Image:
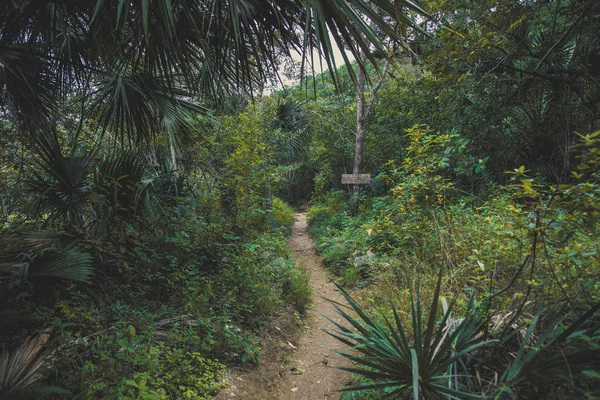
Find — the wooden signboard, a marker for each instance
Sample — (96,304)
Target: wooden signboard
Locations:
(356,179)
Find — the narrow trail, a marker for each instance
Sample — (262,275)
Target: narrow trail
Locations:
(305,373)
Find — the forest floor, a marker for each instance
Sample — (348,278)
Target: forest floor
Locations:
(298,365)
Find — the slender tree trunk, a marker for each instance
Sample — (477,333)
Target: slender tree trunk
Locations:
(361,128)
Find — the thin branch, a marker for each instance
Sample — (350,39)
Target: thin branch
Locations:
(551,268)
(519,39)
(377,87)
(493,69)
(350,130)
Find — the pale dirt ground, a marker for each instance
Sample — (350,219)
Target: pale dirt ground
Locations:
(303,372)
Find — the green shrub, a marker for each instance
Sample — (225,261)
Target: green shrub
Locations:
(124,363)
(329,212)
(283,215)
(178,374)
(188,375)
(298,290)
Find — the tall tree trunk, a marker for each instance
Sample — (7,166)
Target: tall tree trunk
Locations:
(361,128)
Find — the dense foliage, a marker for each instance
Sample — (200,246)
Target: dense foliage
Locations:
(483,152)
(145,182)
(143,242)
(164,265)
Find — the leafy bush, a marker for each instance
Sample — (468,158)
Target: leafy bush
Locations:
(330,211)
(188,375)
(283,215)
(148,371)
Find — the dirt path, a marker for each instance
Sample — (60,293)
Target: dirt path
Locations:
(304,373)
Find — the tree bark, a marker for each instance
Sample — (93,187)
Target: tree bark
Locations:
(361,128)
(362,112)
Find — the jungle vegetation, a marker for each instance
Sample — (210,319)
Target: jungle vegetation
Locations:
(149,170)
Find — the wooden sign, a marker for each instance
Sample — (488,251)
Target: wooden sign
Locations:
(356,179)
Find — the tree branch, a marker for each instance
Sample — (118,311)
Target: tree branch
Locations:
(376,88)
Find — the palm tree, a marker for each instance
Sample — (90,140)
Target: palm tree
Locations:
(137,68)
(124,73)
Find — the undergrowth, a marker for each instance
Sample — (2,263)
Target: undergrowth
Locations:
(175,310)
(529,252)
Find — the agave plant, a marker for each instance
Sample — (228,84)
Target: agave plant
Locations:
(425,360)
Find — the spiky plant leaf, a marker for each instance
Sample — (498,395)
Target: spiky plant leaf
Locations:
(384,353)
(542,362)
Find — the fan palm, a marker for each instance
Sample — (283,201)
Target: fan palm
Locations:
(136,63)
(41,253)
(118,182)
(290,136)
(129,188)
(61,184)
(20,367)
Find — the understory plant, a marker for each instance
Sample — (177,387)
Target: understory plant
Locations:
(437,356)
(426,360)
(21,368)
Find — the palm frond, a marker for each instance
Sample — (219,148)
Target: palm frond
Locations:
(69,263)
(132,189)
(60,183)
(290,114)
(28,85)
(42,253)
(118,181)
(144,58)
(20,367)
(137,106)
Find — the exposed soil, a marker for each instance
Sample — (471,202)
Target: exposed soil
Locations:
(298,366)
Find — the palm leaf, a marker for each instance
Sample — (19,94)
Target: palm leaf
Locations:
(60,183)
(20,367)
(133,52)
(69,263)
(40,253)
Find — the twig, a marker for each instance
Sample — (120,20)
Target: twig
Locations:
(377,87)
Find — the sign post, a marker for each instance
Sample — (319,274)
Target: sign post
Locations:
(356,179)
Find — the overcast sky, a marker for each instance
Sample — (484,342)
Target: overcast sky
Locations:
(319,64)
